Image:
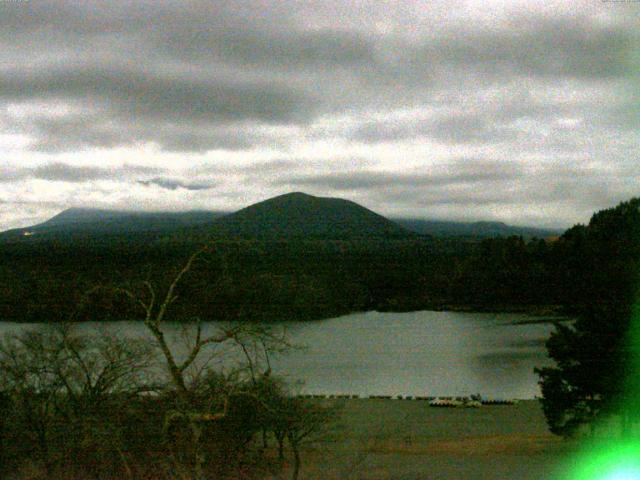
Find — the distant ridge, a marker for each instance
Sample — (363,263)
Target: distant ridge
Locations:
(89,221)
(90,216)
(292,215)
(299,215)
(443,228)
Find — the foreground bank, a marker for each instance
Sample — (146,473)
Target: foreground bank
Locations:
(390,439)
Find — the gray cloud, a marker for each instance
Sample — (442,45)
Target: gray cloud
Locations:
(77,132)
(464,171)
(521,89)
(63,172)
(540,46)
(174,184)
(68,173)
(273,49)
(9,175)
(530,191)
(188,68)
(478,189)
(136,93)
(278,166)
(451,128)
(84,131)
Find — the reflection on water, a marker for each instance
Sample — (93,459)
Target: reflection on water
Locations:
(420,353)
(415,353)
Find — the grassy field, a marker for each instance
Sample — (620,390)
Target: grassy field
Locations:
(401,439)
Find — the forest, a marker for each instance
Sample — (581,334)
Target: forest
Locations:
(282,280)
(291,280)
(291,257)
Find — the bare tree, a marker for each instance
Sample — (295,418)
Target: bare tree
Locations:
(58,376)
(303,421)
(250,339)
(4,413)
(32,386)
(98,367)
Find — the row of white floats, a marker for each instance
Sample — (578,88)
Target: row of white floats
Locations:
(469,402)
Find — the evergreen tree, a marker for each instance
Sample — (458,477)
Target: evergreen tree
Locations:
(595,361)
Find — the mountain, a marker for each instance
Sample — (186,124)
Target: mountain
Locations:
(293,215)
(444,228)
(87,221)
(298,215)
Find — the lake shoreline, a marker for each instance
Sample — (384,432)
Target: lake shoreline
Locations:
(542,310)
(545,313)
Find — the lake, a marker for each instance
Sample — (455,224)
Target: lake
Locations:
(417,353)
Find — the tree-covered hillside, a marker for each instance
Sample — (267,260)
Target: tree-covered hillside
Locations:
(301,216)
(297,272)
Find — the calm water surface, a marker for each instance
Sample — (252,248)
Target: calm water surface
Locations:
(416,353)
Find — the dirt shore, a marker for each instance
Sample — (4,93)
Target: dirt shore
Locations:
(402,439)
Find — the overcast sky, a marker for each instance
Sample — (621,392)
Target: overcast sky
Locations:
(521,111)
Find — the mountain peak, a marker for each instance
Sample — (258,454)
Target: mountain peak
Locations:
(295,195)
(298,214)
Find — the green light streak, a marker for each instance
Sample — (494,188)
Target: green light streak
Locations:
(619,461)
(615,458)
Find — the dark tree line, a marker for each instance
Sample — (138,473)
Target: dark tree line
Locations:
(284,280)
(597,356)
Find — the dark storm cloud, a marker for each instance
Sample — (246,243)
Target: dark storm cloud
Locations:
(239,32)
(277,50)
(206,65)
(540,47)
(174,184)
(139,94)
